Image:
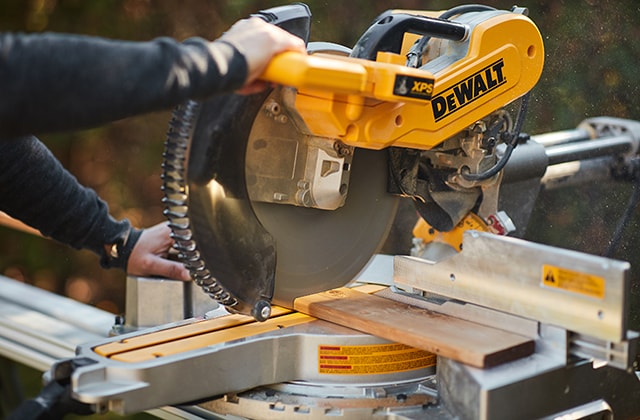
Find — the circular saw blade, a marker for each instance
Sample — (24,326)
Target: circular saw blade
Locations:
(258,251)
(317,250)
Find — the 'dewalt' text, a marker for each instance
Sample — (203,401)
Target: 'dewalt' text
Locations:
(469,90)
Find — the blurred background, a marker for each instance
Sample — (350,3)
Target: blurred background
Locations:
(591,69)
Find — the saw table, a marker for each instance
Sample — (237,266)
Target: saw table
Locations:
(456,350)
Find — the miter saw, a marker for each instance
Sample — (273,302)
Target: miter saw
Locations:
(288,193)
(279,196)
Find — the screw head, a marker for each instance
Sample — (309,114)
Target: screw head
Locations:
(261,310)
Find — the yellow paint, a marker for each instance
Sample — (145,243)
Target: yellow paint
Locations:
(471,221)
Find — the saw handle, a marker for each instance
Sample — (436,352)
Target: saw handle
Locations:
(316,72)
(327,74)
(294,18)
(387,32)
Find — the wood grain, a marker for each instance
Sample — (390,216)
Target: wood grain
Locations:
(464,341)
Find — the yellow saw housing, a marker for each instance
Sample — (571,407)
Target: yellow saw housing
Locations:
(376,104)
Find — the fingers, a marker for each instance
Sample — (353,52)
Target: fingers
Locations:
(147,256)
(259,41)
(160,234)
(162,267)
(154,265)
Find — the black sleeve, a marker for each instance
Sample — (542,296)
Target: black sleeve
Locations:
(53,82)
(36,189)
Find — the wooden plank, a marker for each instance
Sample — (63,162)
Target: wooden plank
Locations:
(180,332)
(464,341)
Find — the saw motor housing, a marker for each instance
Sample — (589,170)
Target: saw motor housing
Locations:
(450,105)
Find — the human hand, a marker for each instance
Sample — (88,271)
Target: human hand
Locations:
(258,41)
(149,255)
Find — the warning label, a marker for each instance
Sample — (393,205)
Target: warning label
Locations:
(372,359)
(573,281)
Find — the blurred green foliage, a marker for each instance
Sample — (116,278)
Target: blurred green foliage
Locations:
(591,68)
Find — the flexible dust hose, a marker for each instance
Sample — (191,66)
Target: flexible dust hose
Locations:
(175,200)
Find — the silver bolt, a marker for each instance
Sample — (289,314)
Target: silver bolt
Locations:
(273,107)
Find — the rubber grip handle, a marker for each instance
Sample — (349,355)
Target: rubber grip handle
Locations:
(387,33)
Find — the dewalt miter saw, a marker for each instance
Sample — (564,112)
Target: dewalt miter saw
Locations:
(290,192)
(278,199)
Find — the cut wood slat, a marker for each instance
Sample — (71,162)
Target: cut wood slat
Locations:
(464,341)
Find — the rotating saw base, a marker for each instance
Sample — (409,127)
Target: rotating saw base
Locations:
(410,400)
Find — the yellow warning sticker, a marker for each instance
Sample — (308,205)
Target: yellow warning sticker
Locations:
(573,281)
(372,359)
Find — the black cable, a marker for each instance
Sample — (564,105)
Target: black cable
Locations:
(634,200)
(512,142)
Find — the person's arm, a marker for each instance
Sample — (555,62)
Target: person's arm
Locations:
(52,82)
(36,189)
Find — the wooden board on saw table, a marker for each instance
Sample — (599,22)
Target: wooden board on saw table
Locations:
(464,341)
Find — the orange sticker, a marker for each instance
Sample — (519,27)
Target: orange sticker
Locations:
(573,281)
(372,359)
